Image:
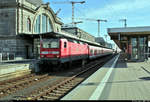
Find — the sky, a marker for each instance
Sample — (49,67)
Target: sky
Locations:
(137,13)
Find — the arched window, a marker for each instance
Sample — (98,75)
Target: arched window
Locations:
(49,25)
(28,25)
(37,25)
(46,25)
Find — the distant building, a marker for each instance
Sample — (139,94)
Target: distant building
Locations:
(100,40)
(79,33)
(19,17)
(109,45)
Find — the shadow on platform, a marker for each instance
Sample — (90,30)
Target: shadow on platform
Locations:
(145,69)
(141,79)
(145,78)
(121,64)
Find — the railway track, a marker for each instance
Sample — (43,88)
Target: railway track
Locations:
(12,86)
(4,82)
(61,88)
(53,90)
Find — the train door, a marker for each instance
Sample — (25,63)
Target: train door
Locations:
(64,48)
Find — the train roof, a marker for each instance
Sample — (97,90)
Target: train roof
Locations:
(62,35)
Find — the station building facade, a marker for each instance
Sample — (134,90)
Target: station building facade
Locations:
(19,17)
(133,41)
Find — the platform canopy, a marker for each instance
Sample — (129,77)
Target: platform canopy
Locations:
(60,35)
(116,33)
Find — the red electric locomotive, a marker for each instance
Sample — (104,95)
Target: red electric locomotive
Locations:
(58,51)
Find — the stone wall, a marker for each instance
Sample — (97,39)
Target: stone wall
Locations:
(24,49)
(6,2)
(19,47)
(7,48)
(7,17)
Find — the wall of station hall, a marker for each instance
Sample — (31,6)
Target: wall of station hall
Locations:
(19,17)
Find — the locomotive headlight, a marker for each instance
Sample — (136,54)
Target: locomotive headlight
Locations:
(42,56)
(45,52)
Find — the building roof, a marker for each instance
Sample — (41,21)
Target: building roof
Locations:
(99,39)
(130,30)
(35,2)
(68,27)
(117,33)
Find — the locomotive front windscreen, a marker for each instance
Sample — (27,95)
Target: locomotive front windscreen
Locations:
(50,43)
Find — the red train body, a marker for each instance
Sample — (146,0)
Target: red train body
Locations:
(57,51)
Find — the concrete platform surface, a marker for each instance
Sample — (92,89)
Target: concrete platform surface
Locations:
(15,68)
(9,68)
(125,81)
(16,65)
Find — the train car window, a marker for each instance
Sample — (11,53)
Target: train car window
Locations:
(78,42)
(81,42)
(94,51)
(70,40)
(75,41)
(91,51)
(65,44)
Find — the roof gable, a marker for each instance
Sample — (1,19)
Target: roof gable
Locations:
(35,2)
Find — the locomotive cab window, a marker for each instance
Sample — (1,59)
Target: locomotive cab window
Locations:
(65,44)
(50,43)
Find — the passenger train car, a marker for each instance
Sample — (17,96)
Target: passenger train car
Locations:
(58,51)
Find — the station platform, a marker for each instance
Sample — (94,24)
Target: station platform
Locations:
(116,80)
(15,68)
(17,61)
